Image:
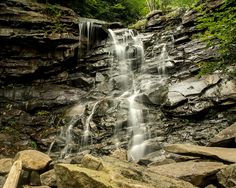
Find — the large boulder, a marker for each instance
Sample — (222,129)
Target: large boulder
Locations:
(196,173)
(223,154)
(115,174)
(33,160)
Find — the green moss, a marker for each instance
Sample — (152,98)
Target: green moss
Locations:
(139,25)
(42,113)
(11,131)
(55,13)
(208,67)
(218,31)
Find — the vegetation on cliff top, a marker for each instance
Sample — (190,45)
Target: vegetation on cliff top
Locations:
(126,11)
(219,28)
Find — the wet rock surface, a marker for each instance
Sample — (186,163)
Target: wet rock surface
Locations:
(41,54)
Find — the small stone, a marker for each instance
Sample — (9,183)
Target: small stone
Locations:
(154,13)
(120,154)
(210,186)
(224,137)
(99,77)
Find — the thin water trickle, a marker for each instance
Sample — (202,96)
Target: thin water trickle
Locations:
(87,132)
(161,58)
(87,33)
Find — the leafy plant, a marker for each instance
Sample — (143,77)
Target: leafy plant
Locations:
(34,145)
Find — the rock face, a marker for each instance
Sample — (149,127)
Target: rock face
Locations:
(225,154)
(114,174)
(33,160)
(196,173)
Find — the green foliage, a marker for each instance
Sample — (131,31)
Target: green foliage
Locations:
(166,5)
(219,31)
(209,67)
(183,3)
(126,11)
(153,4)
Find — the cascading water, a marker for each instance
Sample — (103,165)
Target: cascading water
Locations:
(88,32)
(129,54)
(127,62)
(137,145)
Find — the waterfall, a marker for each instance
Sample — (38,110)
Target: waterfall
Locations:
(129,54)
(128,67)
(88,31)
